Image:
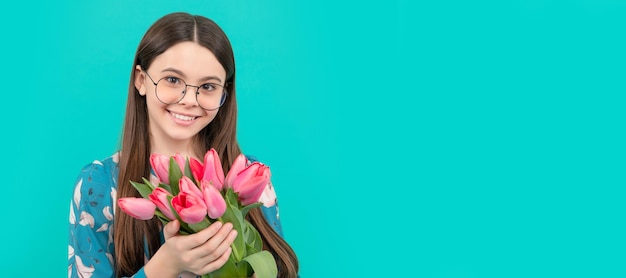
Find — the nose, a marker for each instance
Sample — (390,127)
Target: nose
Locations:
(189,98)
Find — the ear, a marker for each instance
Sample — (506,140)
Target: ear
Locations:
(139,80)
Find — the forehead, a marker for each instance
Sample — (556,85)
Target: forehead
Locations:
(193,60)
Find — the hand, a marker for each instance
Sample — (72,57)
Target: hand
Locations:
(199,253)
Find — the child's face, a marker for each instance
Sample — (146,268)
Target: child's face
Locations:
(179,122)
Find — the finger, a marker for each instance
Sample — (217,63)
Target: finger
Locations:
(171,229)
(215,240)
(216,264)
(194,240)
(215,253)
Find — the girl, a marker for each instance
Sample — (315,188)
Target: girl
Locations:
(181,99)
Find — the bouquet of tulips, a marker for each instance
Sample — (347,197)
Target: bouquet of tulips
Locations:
(198,194)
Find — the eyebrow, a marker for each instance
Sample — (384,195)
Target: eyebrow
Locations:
(206,78)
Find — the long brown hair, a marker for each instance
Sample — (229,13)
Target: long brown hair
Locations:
(131,234)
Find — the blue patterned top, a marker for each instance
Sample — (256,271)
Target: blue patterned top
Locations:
(92,210)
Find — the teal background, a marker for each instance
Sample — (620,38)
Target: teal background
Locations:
(406,138)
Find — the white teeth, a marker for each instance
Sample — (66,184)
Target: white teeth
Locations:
(182,117)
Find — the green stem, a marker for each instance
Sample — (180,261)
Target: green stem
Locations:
(235,252)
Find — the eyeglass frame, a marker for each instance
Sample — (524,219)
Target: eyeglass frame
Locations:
(224,91)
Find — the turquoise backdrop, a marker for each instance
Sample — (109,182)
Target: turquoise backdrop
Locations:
(406,138)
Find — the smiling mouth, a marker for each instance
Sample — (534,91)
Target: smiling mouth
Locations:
(183,117)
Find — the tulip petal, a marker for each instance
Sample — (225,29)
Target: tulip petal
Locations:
(188,186)
(246,174)
(160,165)
(215,203)
(139,208)
(180,160)
(251,182)
(238,165)
(213,169)
(190,209)
(197,169)
(159,198)
(251,192)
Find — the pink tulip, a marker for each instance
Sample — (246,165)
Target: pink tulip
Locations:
(251,182)
(197,169)
(213,171)
(238,165)
(195,165)
(180,160)
(139,208)
(215,203)
(159,198)
(190,208)
(161,165)
(186,185)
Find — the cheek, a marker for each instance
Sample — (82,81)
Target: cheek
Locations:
(209,117)
(153,103)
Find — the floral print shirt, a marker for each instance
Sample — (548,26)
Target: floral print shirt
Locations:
(92,210)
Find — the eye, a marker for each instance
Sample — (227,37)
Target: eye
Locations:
(208,87)
(172,80)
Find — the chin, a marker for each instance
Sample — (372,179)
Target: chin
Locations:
(182,135)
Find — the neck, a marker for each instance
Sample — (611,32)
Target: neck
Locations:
(186,148)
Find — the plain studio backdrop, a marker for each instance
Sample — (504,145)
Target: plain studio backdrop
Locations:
(406,138)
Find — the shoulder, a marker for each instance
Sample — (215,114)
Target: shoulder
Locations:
(107,163)
(94,193)
(101,171)
(252,158)
(97,179)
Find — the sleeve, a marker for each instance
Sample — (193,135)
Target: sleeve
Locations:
(90,248)
(270,208)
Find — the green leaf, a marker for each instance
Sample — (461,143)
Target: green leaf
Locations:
(231,197)
(148,183)
(246,209)
(233,215)
(162,185)
(175,175)
(229,269)
(188,172)
(143,189)
(263,264)
(160,215)
(196,227)
(253,238)
(166,187)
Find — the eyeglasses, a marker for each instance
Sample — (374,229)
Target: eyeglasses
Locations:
(170,90)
